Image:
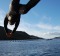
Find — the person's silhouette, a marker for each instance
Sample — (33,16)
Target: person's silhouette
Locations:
(13,16)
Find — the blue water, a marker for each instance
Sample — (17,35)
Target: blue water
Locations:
(30,48)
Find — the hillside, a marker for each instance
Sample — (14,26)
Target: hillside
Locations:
(18,35)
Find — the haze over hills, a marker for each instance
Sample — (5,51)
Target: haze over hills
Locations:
(18,35)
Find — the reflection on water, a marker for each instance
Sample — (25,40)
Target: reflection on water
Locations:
(30,48)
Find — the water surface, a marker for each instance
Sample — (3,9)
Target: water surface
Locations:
(30,48)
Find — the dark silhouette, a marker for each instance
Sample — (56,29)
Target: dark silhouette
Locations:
(13,16)
(18,35)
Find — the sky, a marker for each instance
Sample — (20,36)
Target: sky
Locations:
(43,20)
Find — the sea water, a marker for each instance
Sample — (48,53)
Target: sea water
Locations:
(30,48)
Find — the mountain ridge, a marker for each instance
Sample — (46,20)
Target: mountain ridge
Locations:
(18,35)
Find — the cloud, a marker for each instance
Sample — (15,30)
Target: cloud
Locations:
(54,33)
(37,29)
(33,30)
(48,26)
(50,35)
(2,15)
(44,26)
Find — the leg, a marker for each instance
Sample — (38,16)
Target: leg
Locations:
(5,24)
(16,24)
(25,8)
